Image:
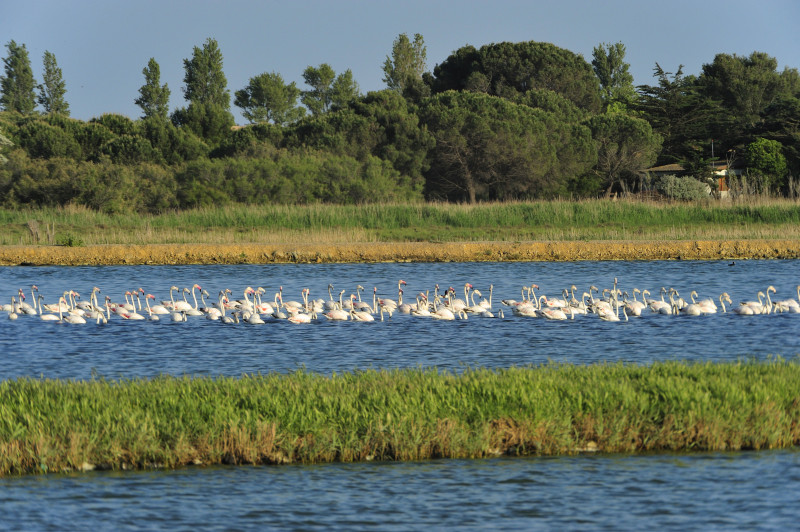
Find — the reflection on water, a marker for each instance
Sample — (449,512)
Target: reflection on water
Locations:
(752,490)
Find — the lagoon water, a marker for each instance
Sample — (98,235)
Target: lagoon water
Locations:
(702,491)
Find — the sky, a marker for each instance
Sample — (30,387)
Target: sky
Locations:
(102,46)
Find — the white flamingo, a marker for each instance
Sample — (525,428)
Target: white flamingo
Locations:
(789,305)
(69,318)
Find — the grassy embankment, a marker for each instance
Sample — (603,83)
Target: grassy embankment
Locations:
(55,426)
(601,220)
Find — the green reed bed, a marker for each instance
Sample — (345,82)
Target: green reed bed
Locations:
(411,414)
(542,220)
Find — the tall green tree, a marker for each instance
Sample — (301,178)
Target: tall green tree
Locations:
(765,159)
(208,115)
(616,82)
(488,148)
(153,96)
(404,69)
(327,90)
(53,88)
(509,69)
(320,79)
(266,98)
(625,146)
(747,85)
(17,84)
(781,122)
(204,78)
(344,90)
(684,117)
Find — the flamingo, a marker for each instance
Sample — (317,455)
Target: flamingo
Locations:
(24,308)
(253,318)
(475,307)
(390,303)
(178,305)
(423,310)
(610,315)
(443,313)
(337,313)
(459,304)
(43,316)
(193,310)
(12,310)
(749,308)
(294,306)
(789,305)
(301,317)
(635,307)
(694,308)
(724,297)
(360,315)
(661,306)
(554,313)
(69,318)
(331,303)
(514,302)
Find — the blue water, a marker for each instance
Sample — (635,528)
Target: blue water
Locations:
(748,490)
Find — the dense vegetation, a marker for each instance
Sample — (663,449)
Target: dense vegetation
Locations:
(563,220)
(53,426)
(506,121)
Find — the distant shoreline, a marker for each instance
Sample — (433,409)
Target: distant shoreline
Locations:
(178,254)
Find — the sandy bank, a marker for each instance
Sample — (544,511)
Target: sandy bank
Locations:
(397,252)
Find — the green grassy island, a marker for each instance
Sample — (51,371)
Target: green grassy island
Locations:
(59,426)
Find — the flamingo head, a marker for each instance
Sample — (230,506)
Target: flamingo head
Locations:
(150,296)
(536,286)
(402,282)
(196,286)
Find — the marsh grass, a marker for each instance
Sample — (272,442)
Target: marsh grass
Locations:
(754,218)
(410,414)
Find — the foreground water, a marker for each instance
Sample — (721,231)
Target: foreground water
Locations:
(738,491)
(701,491)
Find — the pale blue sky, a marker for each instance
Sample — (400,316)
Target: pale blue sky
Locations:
(103,45)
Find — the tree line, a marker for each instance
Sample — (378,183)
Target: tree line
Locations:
(506,121)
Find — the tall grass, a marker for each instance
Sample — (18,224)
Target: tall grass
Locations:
(544,220)
(53,426)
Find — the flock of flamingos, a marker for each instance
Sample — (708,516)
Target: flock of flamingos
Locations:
(610,304)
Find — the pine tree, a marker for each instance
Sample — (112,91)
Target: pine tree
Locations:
(153,97)
(407,63)
(17,84)
(53,88)
(205,81)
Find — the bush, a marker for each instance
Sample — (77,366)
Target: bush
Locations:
(681,188)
